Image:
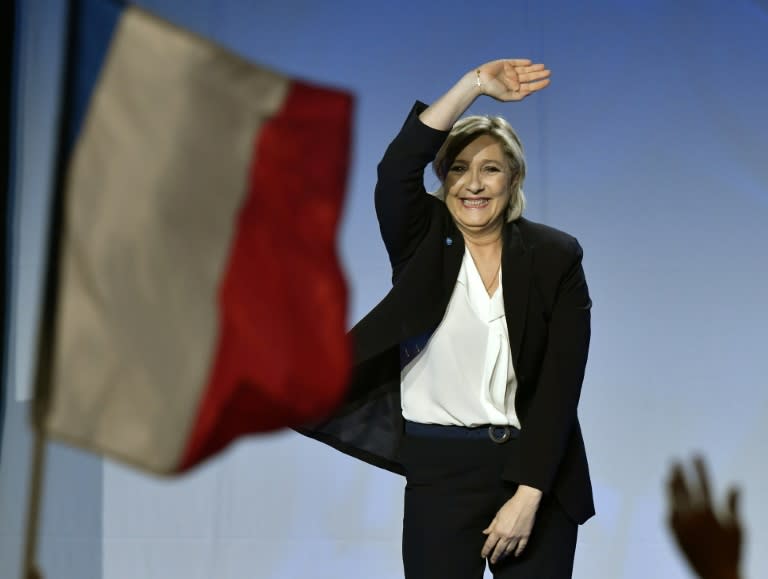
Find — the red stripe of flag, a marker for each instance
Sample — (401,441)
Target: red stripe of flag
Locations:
(283,356)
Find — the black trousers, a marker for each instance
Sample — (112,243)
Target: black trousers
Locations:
(453,491)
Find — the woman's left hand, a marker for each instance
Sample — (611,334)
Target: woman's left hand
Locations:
(509,531)
(512,79)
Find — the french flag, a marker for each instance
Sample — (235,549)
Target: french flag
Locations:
(195,293)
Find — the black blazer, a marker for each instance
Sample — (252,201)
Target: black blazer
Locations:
(547,308)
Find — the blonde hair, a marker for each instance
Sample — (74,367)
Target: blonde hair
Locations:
(467,130)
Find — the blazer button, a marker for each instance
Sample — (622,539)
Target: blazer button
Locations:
(448,241)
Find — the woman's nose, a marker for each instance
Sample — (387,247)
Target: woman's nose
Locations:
(474,184)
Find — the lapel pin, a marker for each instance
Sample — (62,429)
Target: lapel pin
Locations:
(448,241)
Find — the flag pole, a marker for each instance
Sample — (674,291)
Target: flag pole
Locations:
(12,29)
(29,568)
(47,324)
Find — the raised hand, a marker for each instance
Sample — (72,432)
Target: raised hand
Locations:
(711,541)
(512,79)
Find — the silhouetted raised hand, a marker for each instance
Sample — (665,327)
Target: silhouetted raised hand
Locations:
(710,538)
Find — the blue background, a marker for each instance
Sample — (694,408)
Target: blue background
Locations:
(649,146)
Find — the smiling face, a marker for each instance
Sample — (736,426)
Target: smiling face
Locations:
(478,186)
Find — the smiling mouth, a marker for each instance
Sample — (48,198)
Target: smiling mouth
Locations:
(474,203)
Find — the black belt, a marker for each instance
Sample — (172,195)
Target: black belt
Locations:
(498,433)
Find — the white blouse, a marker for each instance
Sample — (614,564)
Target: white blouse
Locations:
(464,375)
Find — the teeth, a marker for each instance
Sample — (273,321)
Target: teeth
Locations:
(475,202)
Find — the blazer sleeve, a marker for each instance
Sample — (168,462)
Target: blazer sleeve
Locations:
(402,203)
(551,419)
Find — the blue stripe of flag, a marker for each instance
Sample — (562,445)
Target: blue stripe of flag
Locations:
(93,24)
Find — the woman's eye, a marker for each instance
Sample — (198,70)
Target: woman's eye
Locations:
(492,169)
(456,168)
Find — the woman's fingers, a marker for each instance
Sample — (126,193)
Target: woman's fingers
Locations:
(503,548)
(530,87)
(524,81)
(489,545)
(520,547)
(529,68)
(525,73)
(519,71)
(534,75)
(497,547)
(524,90)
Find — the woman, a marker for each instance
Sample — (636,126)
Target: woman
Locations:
(468,372)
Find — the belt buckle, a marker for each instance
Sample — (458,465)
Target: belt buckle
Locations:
(506,433)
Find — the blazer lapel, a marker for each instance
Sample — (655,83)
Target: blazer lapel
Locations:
(426,288)
(516,275)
